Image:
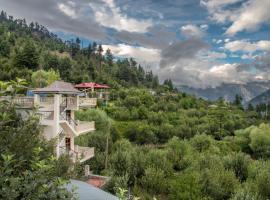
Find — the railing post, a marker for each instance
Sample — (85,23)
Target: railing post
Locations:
(36,100)
(87,170)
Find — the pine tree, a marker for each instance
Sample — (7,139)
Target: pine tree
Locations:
(109,57)
(27,56)
(100,50)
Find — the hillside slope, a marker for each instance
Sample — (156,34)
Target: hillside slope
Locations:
(26,48)
(260,99)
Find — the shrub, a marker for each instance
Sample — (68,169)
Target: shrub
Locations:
(218,183)
(185,187)
(201,142)
(238,163)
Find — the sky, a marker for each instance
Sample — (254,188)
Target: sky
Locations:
(199,43)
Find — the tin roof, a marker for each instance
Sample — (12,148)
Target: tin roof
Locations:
(58,87)
(92,85)
(85,191)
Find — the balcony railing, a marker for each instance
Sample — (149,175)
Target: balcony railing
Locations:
(23,102)
(87,102)
(80,154)
(47,102)
(46,115)
(69,102)
(83,127)
(84,153)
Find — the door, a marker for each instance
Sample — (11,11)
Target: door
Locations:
(68,116)
(68,144)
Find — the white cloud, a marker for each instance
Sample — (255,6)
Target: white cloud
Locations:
(142,55)
(111,16)
(215,4)
(251,16)
(204,26)
(216,41)
(247,46)
(68,9)
(217,10)
(212,55)
(193,30)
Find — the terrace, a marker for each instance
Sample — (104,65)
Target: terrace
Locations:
(46,103)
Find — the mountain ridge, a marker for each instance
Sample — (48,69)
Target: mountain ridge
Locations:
(228,91)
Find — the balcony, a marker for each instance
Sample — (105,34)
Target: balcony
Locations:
(22,102)
(84,153)
(46,117)
(83,127)
(70,103)
(85,102)
(79,153)
(76,128)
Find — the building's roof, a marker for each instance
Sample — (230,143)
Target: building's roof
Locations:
(97,181)
(92,85)
(85,191)
(58,87)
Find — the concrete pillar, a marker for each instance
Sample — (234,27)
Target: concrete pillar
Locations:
(36,100)
(77,102)
(86,170)
(56,125)
(72,143)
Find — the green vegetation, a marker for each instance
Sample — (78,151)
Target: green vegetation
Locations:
(158,142)
(28,169)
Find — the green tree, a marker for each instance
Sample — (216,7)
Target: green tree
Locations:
(185,187)
(28,169)
(27,56)
(43,78)
(109,57)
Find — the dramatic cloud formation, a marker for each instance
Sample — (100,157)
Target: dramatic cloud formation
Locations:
(66,16)
(189,62)
(250,16)
(196,42)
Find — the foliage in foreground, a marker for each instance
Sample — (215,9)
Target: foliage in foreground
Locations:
(27,167)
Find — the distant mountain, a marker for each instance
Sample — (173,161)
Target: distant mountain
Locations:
(228,91)
(262,98)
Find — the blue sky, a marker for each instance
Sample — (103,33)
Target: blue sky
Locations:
(199,43)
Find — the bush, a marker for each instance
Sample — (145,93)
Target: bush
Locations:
(140,133)
(218,183)
(238,163)
(201,142)
(154,180)
(185,187)
(101,119)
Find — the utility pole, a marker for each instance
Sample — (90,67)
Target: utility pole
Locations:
(107,151)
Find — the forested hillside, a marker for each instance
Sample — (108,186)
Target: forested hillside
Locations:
(26,48)
(152,139)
